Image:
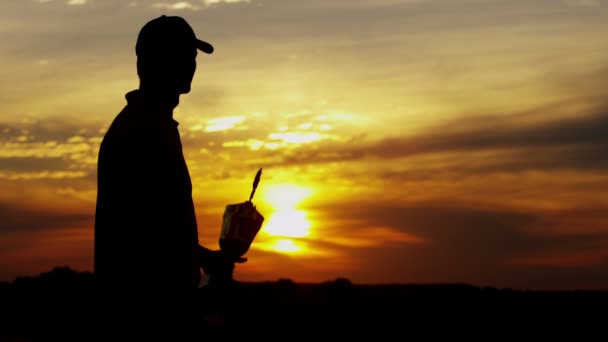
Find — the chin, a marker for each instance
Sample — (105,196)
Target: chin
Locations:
(185,89)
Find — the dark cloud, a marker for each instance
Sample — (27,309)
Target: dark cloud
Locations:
(52,145)
(460,165)
(472,243)
(458,229)
(32,164)
(566,143)
(16,218)
(485,231)
(498,132)
(418,264)
(48,129)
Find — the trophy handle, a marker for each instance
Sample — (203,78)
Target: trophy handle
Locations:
(255,184)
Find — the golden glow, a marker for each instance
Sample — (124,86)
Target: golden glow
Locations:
(286,196)
(398,153)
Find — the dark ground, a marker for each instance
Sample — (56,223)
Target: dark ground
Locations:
(60,306)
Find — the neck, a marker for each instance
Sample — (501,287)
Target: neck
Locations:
(165,101)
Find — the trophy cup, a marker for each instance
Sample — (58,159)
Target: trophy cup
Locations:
(241,223)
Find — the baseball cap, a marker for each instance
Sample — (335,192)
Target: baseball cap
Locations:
(162,34)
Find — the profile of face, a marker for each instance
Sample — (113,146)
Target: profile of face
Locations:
(169,73)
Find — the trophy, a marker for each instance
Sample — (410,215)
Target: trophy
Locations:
(241,223)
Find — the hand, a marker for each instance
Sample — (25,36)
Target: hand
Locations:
(218,263)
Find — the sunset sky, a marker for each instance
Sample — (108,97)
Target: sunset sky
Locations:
(410,141)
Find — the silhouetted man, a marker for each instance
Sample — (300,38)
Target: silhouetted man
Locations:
(146,235)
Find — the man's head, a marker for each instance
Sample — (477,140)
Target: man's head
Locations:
(166,54)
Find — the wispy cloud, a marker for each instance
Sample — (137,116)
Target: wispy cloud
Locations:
(25,176)
(561,143)
(176,6)
(185,5)
(47,150)
(213,2)
(222,124)
(583,3)
(77,2)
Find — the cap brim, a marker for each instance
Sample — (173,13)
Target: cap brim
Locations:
(204,46)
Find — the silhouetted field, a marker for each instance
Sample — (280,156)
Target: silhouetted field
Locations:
(61,306)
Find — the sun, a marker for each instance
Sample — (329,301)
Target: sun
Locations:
(287,220)
(288,223)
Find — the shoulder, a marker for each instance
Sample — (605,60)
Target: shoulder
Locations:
(129,127)
(117,130)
